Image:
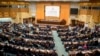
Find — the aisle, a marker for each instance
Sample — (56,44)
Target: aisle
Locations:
(58,44)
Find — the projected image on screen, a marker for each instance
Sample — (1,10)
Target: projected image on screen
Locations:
(52,11)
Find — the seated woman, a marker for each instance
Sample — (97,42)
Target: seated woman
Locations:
(85,46)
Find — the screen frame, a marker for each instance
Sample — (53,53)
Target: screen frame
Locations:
(74,12)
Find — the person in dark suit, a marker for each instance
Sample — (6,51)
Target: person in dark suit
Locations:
(96,53)
(79,54)
(96,43)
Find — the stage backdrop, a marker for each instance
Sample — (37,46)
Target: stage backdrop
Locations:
(63,8)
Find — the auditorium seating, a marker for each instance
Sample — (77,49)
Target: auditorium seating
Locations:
(78,40)
(38,40)
(28,41)
(95,52)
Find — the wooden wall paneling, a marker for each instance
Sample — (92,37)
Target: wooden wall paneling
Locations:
(99,17)
(83,11)
(5,9)
(95,14)
(14,10)
(11,2)
(23,10)
(0,12)
(6,14)
(13,14)
(40,11)
(65,12)
(1,15)
(4,3)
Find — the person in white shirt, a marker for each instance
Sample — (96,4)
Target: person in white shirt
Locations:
(86,25)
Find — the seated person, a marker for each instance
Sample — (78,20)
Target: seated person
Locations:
(79,54)
(96,53)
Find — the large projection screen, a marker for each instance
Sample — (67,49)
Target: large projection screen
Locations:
(52,11)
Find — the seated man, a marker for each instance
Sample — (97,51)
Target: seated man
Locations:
(96,53)
(79,54)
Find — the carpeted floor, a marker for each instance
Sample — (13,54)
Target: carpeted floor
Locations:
(59,47)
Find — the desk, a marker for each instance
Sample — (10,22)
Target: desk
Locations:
(51,22)
(48,21)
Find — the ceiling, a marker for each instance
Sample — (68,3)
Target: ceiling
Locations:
(55,0)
